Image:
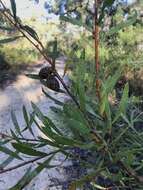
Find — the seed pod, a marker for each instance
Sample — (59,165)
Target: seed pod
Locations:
(45,72)
(53,83)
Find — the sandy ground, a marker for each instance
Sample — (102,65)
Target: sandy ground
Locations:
(12,98)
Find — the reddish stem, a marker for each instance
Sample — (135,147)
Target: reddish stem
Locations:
(96,37)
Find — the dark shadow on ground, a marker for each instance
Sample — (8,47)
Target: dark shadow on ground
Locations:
(9,74)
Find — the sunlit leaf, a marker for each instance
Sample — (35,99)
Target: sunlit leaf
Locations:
(122,25)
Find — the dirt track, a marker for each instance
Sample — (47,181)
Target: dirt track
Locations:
(12,98)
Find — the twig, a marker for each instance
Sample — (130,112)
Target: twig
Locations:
(96,37)
(26,162)
(3,135)
(19,165)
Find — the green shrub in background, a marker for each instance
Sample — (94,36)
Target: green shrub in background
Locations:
(104,134)
(19,52)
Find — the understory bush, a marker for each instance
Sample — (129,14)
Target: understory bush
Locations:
(100,133)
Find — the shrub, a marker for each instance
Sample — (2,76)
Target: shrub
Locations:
(103,133)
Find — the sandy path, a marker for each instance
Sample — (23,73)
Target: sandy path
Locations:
(12,98)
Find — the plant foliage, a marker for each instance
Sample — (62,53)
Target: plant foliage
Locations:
(104,135)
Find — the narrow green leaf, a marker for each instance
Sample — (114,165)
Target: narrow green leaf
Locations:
(6,28)
(25,114)
(47,130)
(37,111)
(71,20)
(9,152)
(2,142)
(26,149)
(32,115)
(123,103)
(15,137)
(110,83)
(117,139)
(81,94)
(90,110)
(30,175)
(6,162)
(30,31)
(123,25)
(58,139)
(108,113)
(48,142)
(20,184)
(55,53)
(53,99)
(46,121)
(75,21)
(33,76)
(7,40)
(29,120)
(72,112)
(62,140)
(15,122)
(78,126)
(13,7)
(66,67)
